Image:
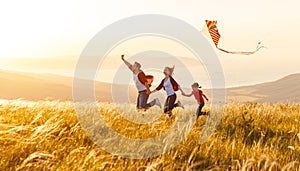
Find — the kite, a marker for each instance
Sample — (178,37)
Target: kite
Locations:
(215,35)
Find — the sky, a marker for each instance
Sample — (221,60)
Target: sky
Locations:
(57,28)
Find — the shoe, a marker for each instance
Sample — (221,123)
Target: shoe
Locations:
(157,103)
(180,104)
(141,110)
(208,113)
(169,114)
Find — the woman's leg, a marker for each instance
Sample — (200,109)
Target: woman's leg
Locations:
(178,104)
(170,103)
(166,106)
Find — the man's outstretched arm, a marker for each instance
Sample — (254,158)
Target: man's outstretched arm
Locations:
(126,62)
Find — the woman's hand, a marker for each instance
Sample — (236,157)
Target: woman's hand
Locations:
(181,91)
(153,91)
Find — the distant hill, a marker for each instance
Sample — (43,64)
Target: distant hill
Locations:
(31,86)
(283,90)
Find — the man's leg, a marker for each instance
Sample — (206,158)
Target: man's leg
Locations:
(152,103)
(138,101)
(143,100)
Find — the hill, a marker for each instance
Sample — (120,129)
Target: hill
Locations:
(283,90)
(31,86)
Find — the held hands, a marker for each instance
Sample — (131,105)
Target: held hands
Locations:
(153,91)
(181,91)
(148,92)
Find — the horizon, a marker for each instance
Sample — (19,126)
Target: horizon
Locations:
(65,66)
(71,76)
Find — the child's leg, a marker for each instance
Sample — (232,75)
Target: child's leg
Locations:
(199,110)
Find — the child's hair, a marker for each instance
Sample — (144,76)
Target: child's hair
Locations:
(196,85)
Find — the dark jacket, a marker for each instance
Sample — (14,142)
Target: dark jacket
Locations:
(173,82)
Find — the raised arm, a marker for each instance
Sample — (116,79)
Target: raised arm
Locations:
(126,62)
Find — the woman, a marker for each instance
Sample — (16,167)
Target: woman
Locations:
(170,86)
(198,94)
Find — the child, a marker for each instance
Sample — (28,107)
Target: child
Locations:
(198,94)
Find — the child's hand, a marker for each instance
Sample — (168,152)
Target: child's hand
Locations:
(182,92)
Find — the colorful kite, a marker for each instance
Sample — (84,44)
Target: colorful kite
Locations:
(215,35)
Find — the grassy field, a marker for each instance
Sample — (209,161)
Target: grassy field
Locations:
(46,135)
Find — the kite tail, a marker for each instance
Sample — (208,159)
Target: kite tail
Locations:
(258,47)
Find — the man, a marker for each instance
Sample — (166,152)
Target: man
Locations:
(142,86)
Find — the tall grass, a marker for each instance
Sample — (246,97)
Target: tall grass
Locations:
(46,135)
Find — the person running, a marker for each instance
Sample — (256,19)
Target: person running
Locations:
(198,94)
(142,86)
(170,86)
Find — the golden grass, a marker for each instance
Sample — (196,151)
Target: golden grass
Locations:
(46,135)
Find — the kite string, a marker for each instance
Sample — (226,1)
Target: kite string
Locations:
(258,47)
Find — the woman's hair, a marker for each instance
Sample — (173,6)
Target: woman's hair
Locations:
(171,70)
(196,85)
